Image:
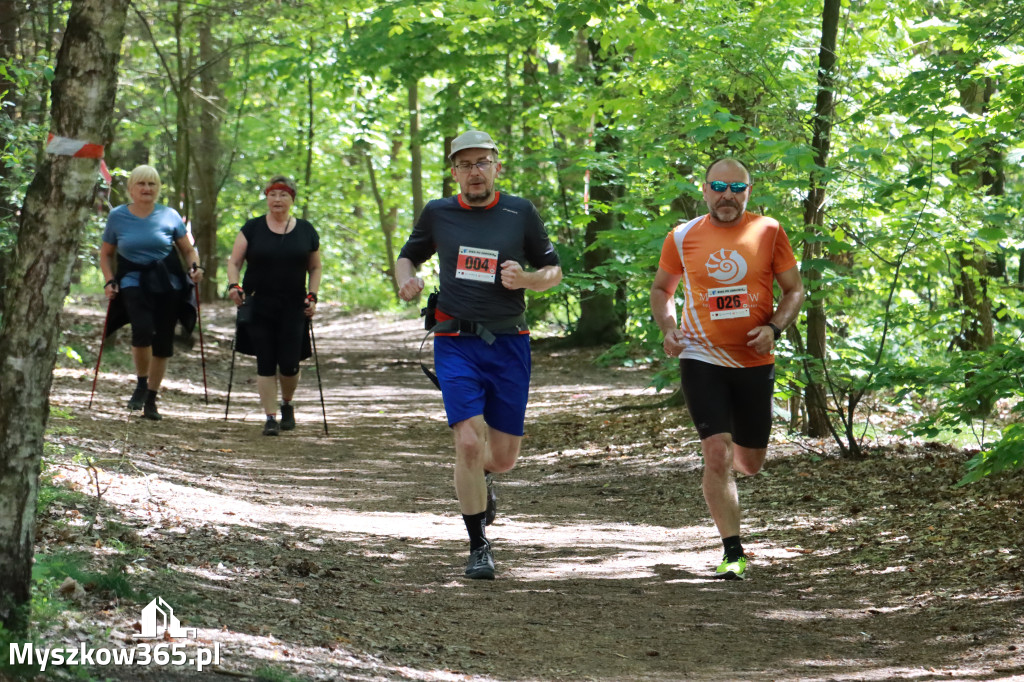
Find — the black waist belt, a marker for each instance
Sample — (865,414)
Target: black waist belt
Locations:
(485,330)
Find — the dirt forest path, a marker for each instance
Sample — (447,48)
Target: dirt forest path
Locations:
(340,557)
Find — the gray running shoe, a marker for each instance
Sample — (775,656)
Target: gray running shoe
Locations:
(481,564)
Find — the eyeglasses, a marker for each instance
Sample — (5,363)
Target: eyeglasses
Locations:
(466,167)
(736,187)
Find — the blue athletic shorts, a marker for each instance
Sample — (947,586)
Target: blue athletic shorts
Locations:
(734,400)
(490,380)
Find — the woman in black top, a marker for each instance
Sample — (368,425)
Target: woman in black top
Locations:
(280,251)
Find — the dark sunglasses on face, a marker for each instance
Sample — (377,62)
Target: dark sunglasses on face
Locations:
(736,187)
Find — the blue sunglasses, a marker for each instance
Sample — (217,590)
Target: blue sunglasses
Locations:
(736,187)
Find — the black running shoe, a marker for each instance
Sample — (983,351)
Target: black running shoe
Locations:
(138,398)
(271,428)
(481,564)
(492,500)
(287,417)
(149,410)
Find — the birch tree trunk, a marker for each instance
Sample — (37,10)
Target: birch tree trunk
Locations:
(56,208)
(9,18)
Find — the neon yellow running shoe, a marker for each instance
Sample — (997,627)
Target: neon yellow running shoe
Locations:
(731,570)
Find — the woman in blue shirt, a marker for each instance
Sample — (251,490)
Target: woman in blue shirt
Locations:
(145,276)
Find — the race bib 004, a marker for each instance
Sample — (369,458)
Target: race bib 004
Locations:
(479,265)
(729,302)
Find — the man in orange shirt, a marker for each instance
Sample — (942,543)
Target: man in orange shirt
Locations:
(727,261)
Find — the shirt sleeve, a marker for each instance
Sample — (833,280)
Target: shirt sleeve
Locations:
(669,261)
(783,258)
(179,225)
(420,245)
(540,252)
(110,233)
(247,230)
(314,237)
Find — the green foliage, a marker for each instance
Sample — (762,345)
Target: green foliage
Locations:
(49,494)
(976,379)
(1004,456)
(927,124)
(59,566)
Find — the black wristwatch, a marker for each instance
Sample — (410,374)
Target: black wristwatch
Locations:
(775,330)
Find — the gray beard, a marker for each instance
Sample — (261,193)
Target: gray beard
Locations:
(478,196)
(717,216)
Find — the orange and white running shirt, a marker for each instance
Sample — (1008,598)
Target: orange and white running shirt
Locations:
(727,276)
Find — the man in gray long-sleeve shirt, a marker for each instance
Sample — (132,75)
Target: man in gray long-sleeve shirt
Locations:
(483,239)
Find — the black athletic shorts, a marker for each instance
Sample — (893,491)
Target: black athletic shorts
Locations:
(733,400)
(153,318)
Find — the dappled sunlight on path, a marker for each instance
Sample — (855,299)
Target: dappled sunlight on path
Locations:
(341,556)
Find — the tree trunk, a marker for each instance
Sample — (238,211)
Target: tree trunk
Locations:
(415,149)
(178,198)
(602,319)
(57,206)
(206,160)
(448,185)
(814,214)
(978,332)
(450,122)
(310,128)
(388,218)
(9,19)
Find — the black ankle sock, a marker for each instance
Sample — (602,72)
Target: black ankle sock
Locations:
(475,525)
(733,548)
(143,381)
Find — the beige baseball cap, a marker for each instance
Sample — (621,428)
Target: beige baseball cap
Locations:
(472,139)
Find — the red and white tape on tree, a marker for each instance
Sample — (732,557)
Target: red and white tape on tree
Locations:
(65,146)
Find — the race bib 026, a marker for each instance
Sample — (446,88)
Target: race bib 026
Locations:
(729,302)
(479,265)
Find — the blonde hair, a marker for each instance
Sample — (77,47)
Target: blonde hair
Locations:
(144,174)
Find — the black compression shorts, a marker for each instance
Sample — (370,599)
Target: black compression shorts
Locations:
(734,400)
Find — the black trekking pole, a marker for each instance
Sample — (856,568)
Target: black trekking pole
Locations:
(231,376)
(202,351)
(316,361)
(103,340)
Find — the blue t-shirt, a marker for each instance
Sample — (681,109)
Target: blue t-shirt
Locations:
(144,240)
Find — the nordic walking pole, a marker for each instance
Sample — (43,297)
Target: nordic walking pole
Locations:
(103,340)
(202,351)
(231,376)
(316,361)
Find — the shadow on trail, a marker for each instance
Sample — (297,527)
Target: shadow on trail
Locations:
(341,557)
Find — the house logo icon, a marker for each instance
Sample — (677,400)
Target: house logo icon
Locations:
(158,621)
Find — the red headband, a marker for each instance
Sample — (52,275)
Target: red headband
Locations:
(282,186)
